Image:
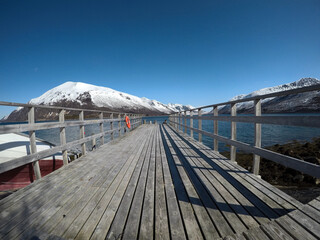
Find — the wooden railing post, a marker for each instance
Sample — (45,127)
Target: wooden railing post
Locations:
(179,126)
(257,136)
(233,149)
(93,143)
(119,124)
(101,128)
(215,129)
(185,122)
(33,144)
(176,120)
(111,127)
(200,124)
(63,137)
(191,124)
(82,133)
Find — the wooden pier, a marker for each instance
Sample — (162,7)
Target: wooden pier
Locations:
(155,183)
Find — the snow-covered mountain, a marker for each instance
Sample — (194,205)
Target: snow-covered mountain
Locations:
(82,95)
(302,102)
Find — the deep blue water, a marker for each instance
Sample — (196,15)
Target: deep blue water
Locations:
(271,134)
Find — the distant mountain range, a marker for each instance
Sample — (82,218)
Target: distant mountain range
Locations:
(295,103)
(82,95)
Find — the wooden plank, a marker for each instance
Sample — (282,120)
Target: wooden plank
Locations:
(17,162)
(99,230)
(79,199)
(42,184)
(274,231)
(199,198)
(255,233)
(294,228)
(235,237)
(246,175)
(161,218)
(315,204)
(235,169)
(248,190)
(68,216)
(147,218)
(177,231)
(87,219)
(64,210)
(308,223)
(224,207)
(132,226)
(118,224)
(49,200)
(188,215)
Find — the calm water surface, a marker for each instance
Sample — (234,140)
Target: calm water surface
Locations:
(271,134)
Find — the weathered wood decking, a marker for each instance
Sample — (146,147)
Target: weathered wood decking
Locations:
(155,183)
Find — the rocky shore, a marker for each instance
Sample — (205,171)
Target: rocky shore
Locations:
(300,186)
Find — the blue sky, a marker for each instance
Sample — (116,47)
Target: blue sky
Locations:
(189,52)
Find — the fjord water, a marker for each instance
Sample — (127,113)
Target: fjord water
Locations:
(271,134)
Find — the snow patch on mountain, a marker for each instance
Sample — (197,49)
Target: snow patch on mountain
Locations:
(304,82)
(102,97)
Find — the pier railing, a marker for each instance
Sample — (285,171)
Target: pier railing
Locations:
(105,117)
(179,121)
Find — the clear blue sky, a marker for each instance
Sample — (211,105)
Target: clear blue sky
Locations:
(189,52)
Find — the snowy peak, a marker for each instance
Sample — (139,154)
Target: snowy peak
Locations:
(78,94)
(304,82)
(302,102)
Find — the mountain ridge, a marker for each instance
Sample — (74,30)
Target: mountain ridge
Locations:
(301,102)
(88,96)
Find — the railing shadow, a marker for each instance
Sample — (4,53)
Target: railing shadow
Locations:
(257,209)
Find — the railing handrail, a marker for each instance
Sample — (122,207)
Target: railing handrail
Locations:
(269,95)
(32,126)
(14,104)
(178,120)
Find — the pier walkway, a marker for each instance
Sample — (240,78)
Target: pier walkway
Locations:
(155,183)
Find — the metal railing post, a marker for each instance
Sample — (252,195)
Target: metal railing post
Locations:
(233,149)
(215,129)
(63,137)
(33,144)
(257,136)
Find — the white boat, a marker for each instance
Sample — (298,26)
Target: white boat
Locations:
(13,145)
